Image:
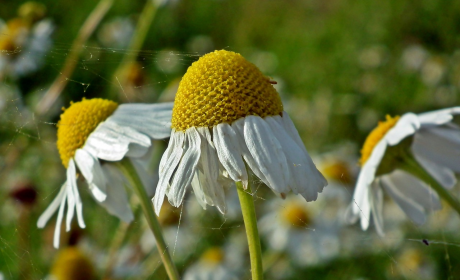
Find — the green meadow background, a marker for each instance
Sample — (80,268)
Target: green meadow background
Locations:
(341,66)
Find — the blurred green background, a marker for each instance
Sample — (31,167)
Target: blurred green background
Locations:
(341,66)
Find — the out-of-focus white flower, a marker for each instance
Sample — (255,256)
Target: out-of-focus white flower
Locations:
(427,143)
(116,33)
(413,57)
(299,229)
(225,262)
(98,129)
(23,45)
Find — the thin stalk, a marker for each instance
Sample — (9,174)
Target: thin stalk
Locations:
(130,172)
(252,233)
(414,168)
(85,32)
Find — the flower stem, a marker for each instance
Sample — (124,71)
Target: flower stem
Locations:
(413,167)
(252,233)
(131,173)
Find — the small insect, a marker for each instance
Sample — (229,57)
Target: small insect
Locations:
(425,242)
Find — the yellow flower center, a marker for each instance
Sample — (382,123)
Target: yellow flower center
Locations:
(339,171)
(213,255)
(296,215)
(9,35)
(78,121)
(222,87)
(72,264)
(375,136)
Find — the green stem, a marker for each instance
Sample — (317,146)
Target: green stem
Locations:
(252,233)
(147,207)
(413,167)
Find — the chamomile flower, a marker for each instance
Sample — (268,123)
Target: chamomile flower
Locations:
(98,129)
(301,230)
(405,156)
(227,114)
(24,41)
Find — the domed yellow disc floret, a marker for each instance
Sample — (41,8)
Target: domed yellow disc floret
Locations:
(295,215)
(222,87)
(78,121)
(375,136)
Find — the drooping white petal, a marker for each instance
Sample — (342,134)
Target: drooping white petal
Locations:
(71,200)
(148,179)
(209,172)
(110,141)
(367,175)
(168,164)
(445,176)
(238,126)
(365,207)
(117,202)
(305,178)
(198,190)
(57,229)
(407,125)
(438,117)
(267,152)
(377,206)
(229,152)
(44,218)
(91,170)
(411,208)
(416,190)
(153,120)
(437,149)
(187,166)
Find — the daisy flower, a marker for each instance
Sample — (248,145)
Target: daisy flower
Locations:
(228,114)
(98,129)
(24,40)
(301,230)
(405,156)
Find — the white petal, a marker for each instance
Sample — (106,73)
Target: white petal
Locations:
(209,166)
(238,126)
(365,209)
(57,229)
(52,207)
(71,200)
(111,142)
(367,175)
(153,120)
(290,128)
(187,166)
(148,179)
(411,208)
(416,190)
(305,179)
(443,175)
(198,190)
(438,117)
(407,125)
(168,164)
(229,152)
(377,207)
(267,153)
(91,170)
(437,149)
(117,202)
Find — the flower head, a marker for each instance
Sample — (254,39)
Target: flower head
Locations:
(72,264)
(391,151)
(97,129)
(227,114)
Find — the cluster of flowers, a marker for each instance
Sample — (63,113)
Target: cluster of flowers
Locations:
(227,121)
